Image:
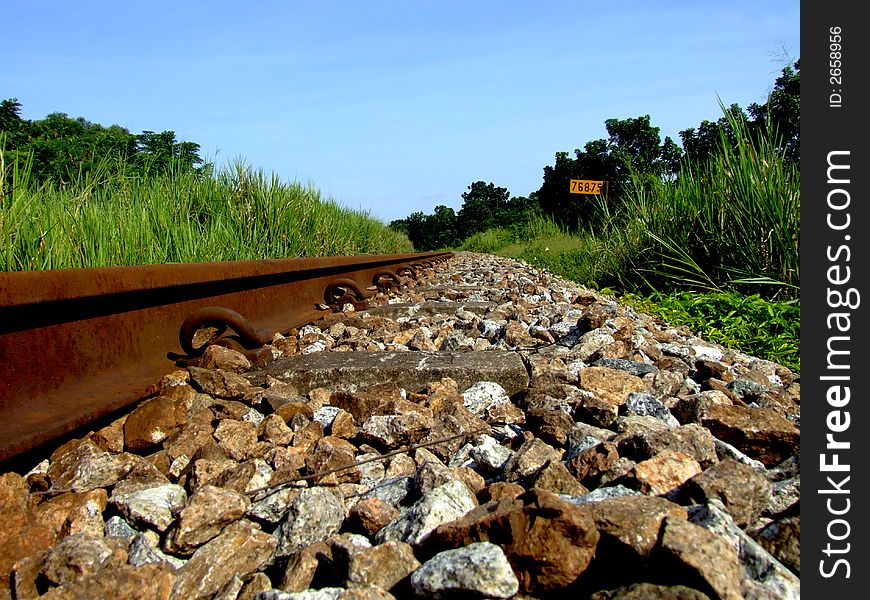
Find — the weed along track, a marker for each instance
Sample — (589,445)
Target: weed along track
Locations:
(411,426)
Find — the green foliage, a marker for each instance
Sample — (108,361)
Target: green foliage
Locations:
(107,217)
(780,115)
(484,207)
(63,148)
(782,111)
(633,148)
(733,221)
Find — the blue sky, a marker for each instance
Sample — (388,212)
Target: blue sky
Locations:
(393,107)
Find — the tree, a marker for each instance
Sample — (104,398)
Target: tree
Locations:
(11,123)
(633,147)
(482,206)
(782,111)
(441,227)
(399,225)
(700,144)
(63,147)
(415,225)
(780,115)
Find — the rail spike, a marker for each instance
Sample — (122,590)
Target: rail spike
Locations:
(343,291)
(247,339)
(407,271)
(386,280)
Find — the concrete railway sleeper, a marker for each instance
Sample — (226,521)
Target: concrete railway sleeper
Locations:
(468,427)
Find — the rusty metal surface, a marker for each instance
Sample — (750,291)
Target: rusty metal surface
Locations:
(78,344)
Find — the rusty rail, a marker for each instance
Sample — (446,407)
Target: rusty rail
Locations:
(79,344)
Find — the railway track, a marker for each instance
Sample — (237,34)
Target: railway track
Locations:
(478,428)
(79,344)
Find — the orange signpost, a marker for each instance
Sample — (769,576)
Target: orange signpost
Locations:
(586,186)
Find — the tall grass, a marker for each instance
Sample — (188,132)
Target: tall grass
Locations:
(106,218)
(732,223)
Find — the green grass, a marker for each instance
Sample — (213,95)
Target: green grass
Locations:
(733,223)
(105,218)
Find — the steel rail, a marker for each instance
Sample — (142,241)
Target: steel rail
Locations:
(80,344)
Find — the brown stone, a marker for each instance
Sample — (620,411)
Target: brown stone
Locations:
(240,550)
(385,566)
(225,359)
(24,575)
(288,410)
(190,438)
(308,435)
(80,465)
(236,438)
(206,471)
(392,431)
(596,411)
(275,431)
(207,512)
(501,490)
(111,437)
(153,421)
(441,393)
(783,540)
(343,426)
(530,458)
(76,556)
(548,542)
(472,480)
(556,478)
(611,385)
(259,582)
(744,491)
(759,432)
(629,526)
(302,566)
(663,473)
(286,461)
(690,555)
(370,515)
(691,439)
(152,581)
(245,477)
(589,465)
(220,384)
(504,413)
(711,369)
(720,393)
(330,452)
(73,513)
(223,408)
(672,363)
(551,425)
(517,335)
(22,531)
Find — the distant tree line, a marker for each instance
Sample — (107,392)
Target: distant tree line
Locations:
(632,152)
(62,148)
(484,206)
